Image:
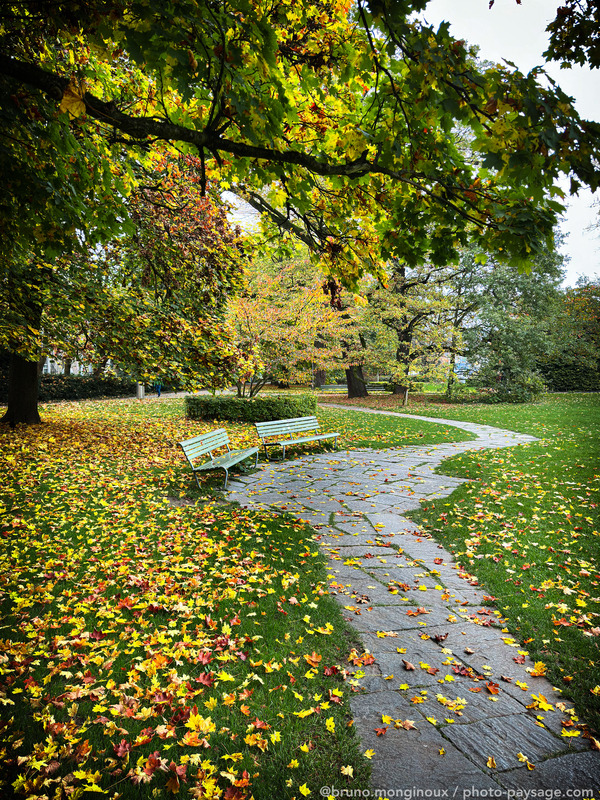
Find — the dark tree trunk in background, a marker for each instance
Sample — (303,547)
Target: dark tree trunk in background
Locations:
(355,381)
(451,375)
(23,392)
(319,377)
(67,366)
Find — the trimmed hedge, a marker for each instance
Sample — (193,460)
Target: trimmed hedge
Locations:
(83,387)
(249,409)
(73,387)
(569,376)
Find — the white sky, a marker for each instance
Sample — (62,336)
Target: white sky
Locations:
(517,33)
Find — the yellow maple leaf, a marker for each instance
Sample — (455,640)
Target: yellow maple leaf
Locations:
(330,724)
(491,763)
(197,722)
(232,757)
(304,790)
(538,670)
(369,753)
(542,703)
(72,101)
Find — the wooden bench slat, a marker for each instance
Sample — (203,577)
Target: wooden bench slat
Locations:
(275,429)
(284,427)
(309,438)
(214,440)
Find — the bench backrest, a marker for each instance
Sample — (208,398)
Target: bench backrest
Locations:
(279,426)
(201,445)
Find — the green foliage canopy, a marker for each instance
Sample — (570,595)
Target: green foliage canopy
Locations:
(347,113)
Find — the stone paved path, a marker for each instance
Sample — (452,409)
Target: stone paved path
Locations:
(404,595)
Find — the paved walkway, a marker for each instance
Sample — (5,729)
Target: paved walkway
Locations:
(463,716)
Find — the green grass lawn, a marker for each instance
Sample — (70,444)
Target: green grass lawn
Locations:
(528,527)
(380,431)
(155,637)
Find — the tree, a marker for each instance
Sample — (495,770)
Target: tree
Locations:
(574,322)
(506,321)
(574,33)
(414,305)
(152,301)
(64,192)
(336,122)
(316,99)
(284,325)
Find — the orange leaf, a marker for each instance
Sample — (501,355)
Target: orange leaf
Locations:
(408,725)
(313,659)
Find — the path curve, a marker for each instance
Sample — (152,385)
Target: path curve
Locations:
(409,602)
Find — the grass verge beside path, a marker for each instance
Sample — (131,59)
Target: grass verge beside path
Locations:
(154,645)
(528,528)
(379,431)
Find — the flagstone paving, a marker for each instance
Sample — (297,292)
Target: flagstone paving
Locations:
(462,717)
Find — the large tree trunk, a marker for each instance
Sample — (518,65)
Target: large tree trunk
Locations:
(357,386)
(67,366)
(319,377)
(23,392)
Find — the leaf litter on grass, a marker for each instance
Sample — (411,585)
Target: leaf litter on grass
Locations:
(150,646)
(527,526)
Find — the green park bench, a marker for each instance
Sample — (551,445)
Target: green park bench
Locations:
(206,444)
(279,429)
(379,386)
(333,387)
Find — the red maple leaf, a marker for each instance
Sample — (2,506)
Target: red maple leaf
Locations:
(123,748)
(206,679)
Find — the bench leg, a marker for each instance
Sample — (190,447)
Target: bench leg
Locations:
(226,477)
(271,444)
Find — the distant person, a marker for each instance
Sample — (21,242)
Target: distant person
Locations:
(158,387)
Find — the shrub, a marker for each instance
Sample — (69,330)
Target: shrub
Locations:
(563,375)
(249,409)
(83,387)
(518,387)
